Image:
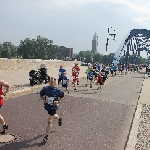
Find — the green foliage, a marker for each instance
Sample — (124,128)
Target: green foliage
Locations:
(7,50)
(40,48)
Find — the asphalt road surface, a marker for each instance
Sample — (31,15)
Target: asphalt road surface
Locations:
(92,120)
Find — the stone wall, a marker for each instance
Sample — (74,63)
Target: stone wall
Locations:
(28,64)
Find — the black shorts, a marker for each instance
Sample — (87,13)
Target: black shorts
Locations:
(0,106)
(91,79)
(99,83)
(59,80)
(52,112)
(65,86)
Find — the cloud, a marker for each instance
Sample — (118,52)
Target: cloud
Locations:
(140,9)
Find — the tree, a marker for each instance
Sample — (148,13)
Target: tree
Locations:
(97,57)
(40,48)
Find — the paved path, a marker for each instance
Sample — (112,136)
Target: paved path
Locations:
(139,138)
(92,120)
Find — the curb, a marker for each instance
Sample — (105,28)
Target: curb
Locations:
(132,140)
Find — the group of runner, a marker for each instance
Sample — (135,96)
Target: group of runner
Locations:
(52,95)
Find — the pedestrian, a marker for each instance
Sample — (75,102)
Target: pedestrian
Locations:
(65,82)
(2,96)
(78,70)
(112,69)
(87,71)
(51,96)
(90,74)
(75,77)
(99,81)
(61,71)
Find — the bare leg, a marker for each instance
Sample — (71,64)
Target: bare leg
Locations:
(2,120)
(49,126)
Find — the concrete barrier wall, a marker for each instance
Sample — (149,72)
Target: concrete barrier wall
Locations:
(28,64)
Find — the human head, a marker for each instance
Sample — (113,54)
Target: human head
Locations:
(52,82)
(64,74)
(76,64)
(61,67)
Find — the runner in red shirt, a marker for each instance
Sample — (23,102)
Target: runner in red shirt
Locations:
(75,77)
(99,82)
(78,70)
(2,95)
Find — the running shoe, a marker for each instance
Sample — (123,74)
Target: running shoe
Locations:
(5,128)
(45,139)
(60,121)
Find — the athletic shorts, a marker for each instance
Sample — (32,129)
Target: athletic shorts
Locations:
(74,80)
(91,79)
(0,106)
(52,112)
(112,71)
(99,83)
(65,86)
(60,79)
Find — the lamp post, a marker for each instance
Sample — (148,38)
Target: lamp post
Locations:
(110,34)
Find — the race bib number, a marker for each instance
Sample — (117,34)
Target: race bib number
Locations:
(59,73)
(50,100)
(64,81)
(74,77)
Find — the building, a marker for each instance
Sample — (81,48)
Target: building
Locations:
(94,44)
(65,53)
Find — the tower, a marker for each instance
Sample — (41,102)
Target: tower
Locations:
(94,44)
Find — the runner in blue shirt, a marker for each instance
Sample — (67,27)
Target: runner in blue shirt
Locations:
(65,82)
(90,74)
(51,96)
(115,69)
(61,71)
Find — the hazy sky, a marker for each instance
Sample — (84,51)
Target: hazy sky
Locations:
(72,23)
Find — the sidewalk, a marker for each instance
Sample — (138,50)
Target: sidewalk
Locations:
(139,138)
(19,80)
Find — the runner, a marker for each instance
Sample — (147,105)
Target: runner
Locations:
(51,96)
(65,82)
(99,81)
(75,77)
(2,95)
(121,68)
(115,69)
(90,74)
(78,70)
(61,71)
(131,69)
(104,74)
(112,69)
(87,71)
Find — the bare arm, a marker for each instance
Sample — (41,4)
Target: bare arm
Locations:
(6,85)
(43,99)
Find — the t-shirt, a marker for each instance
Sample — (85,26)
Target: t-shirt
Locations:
(112,68)
(52,95)
(88,70)
(99,67)
(103,72)
(65,81)
(115,68)
(90,74)
(61,71)
(99,78)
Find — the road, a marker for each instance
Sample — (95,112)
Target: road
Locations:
(92,120)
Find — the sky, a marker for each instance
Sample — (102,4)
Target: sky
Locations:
(73,23)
